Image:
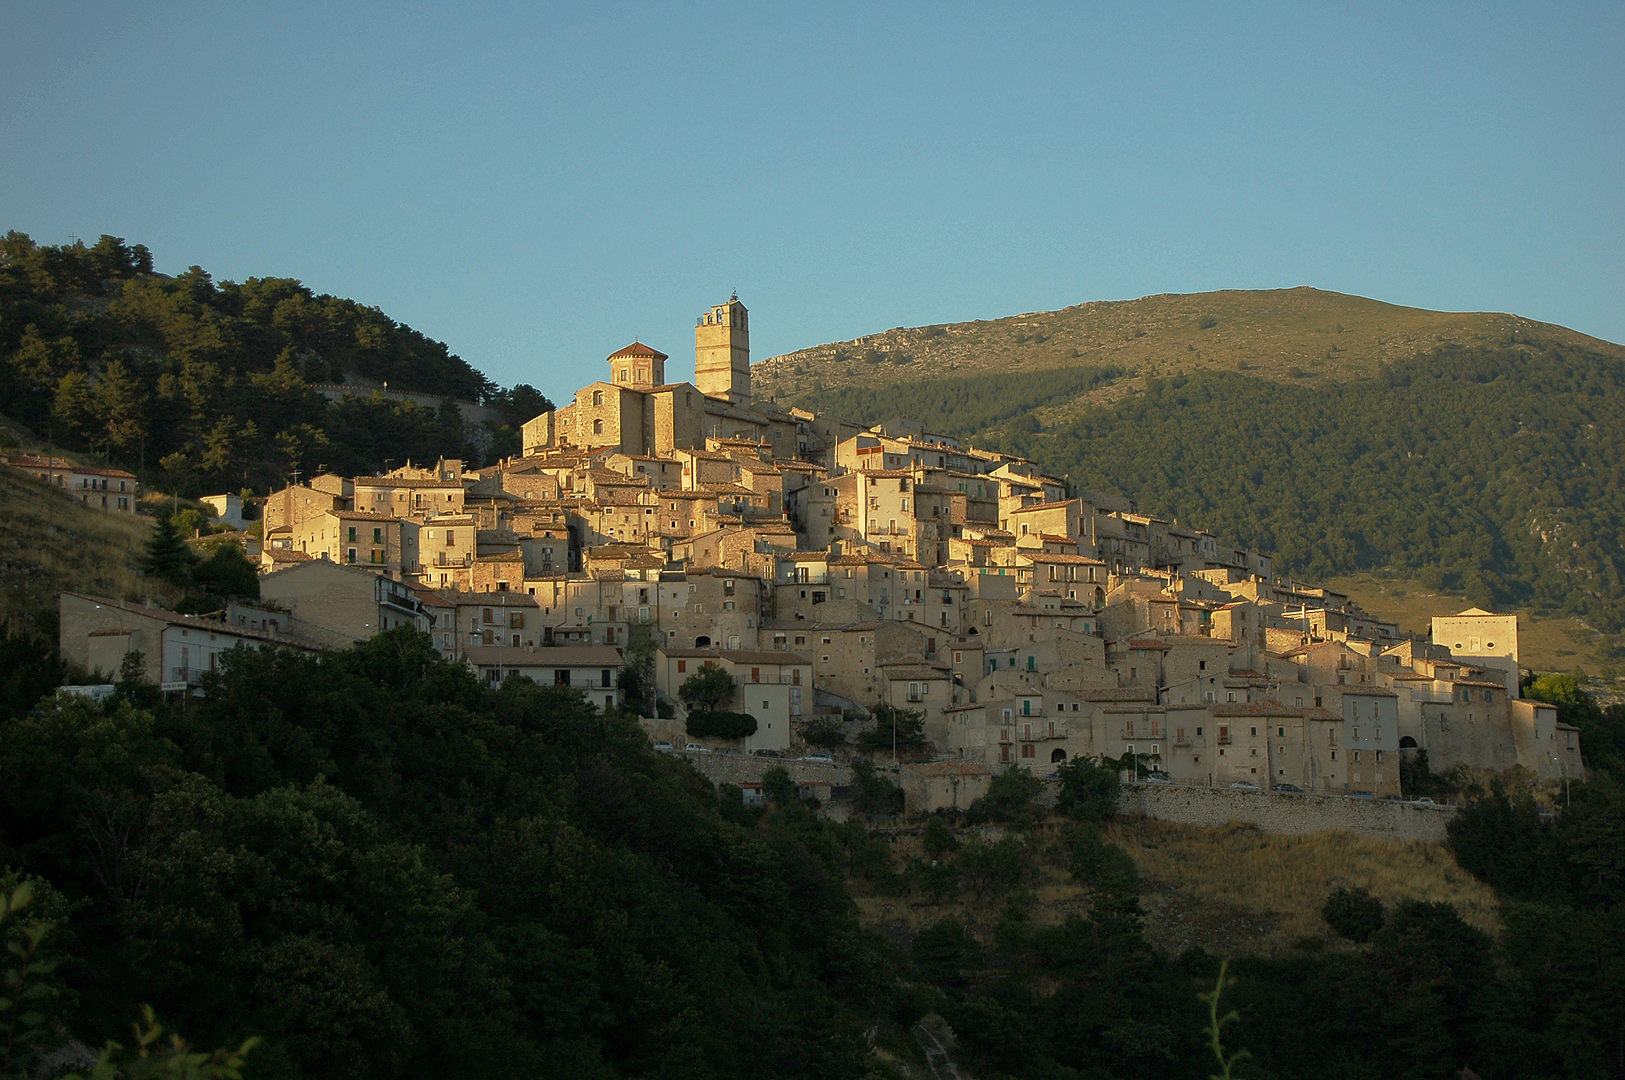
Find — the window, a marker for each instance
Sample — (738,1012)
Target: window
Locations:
(351,536)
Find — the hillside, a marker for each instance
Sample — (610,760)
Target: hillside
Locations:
(1297,333)
(1480,454)
(1230,890)
(50,543)
(196,384)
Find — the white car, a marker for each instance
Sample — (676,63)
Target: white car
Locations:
(662,744)
(695,748)
(822,759)
(1423,801)
(1245,785)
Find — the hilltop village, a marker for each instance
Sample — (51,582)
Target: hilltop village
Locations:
(829,567)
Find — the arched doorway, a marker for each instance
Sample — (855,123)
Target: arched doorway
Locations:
(702,642)
(1057,756)
(1407,743)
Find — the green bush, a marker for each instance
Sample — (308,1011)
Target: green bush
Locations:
(1009,797)
(1353,913)
(873,793)
(1097,864)
(720,725)
(826,733)
(1089,789)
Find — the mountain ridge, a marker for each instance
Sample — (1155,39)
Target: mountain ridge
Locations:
(1299,333)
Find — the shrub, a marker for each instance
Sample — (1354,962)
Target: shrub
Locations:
(703,724)
(873,793)
(1089,789)
(938,839)
(1097,864)
(826,733)
(1009,797)
(1353,913)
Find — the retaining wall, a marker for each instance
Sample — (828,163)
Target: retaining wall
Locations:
(1286,813)
(742,769)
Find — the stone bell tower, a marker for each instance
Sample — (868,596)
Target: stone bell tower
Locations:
(722,352)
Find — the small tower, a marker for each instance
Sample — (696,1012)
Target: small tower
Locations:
(722,352)
(637,366)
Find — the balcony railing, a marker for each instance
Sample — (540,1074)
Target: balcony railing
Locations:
(1224,740)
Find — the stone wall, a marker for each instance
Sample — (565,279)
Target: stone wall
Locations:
(743,769)
(1286,813)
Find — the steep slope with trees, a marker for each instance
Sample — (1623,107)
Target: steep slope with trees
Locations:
(198,384)
(1493,467)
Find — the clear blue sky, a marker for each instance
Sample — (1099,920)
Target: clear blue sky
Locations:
(537,185)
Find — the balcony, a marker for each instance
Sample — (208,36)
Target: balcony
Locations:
(1223,740)
(447,558)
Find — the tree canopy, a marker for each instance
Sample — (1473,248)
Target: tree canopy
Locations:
(214,379)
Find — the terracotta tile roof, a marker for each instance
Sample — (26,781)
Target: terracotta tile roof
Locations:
(639,349)
(403,482)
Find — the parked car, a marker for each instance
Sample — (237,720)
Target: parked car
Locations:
(1359,794)
(823,759)
(1158,778)
(695,748)
(1293,788)
(662,744)
(1245,785)
(1423,801)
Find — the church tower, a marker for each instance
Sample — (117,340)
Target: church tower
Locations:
(722,352)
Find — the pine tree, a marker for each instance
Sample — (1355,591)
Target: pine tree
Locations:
(168,557)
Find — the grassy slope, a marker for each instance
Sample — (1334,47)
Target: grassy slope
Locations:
(1545,642)
(49,543)
(1231,891)
(1269,333)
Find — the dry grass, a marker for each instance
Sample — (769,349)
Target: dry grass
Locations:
(50,543)
(1237,890)
(1230,891)
(1545,642)
(901,917)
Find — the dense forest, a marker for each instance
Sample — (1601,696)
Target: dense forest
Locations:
(196,384)
(1498,471)
(385,869)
